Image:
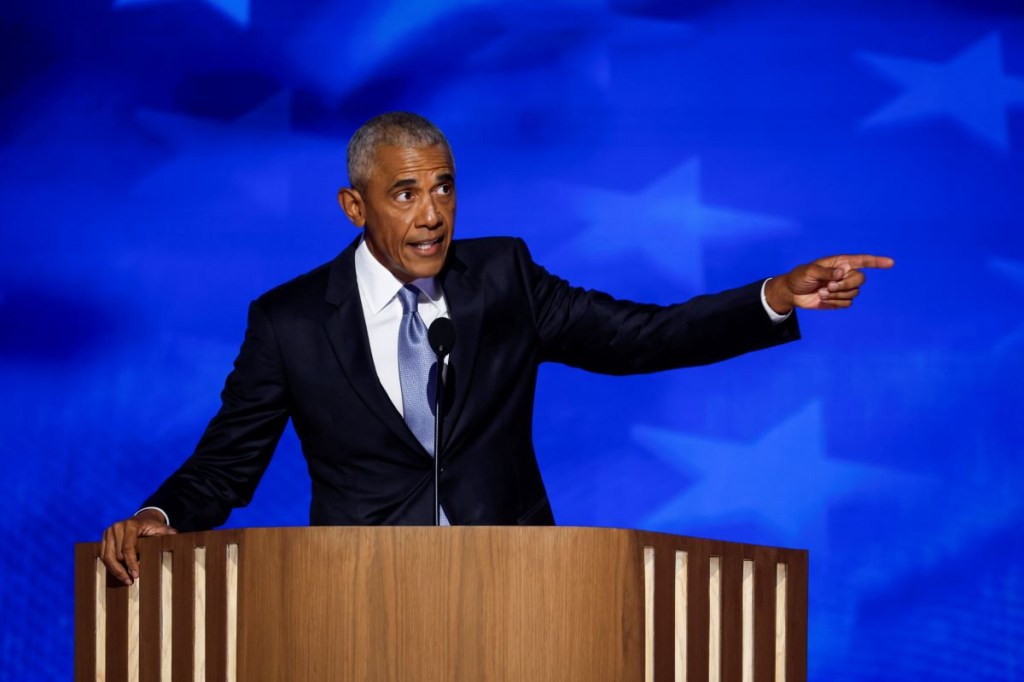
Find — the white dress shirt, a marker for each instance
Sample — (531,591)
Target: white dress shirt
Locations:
(382,312)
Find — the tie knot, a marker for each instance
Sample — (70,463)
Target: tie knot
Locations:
(409,296)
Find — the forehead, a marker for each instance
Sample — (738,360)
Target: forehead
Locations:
(392,163)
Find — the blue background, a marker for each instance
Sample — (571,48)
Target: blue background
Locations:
(165,162)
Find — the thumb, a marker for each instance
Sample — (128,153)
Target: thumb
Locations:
(160,529)
(822,273)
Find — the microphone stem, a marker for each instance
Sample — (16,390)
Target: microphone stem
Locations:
(438,393)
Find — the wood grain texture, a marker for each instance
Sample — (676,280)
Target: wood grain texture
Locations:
(433,604)
(166,615)
(699,613)
(182,627)
(732,612)
(765,559)
(796,617)
(680,625)
(216,610)
(748,621)
(149,613)
(444,604)
(117,631)
(85,612)
(781,609)
(664,616)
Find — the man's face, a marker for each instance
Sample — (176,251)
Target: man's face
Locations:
(407,209)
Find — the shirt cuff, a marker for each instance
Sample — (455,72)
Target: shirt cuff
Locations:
(168,520)
(774,316)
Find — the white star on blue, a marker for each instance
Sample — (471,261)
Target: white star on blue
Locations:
(422,33)
(668,224)
(972,89)
(251,160)
(237,10)
(783,480)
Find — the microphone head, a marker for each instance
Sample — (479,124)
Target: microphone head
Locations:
(441,336)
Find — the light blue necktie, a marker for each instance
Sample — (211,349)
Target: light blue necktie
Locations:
(417,371)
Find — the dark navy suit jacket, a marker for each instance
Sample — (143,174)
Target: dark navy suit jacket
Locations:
(306,356)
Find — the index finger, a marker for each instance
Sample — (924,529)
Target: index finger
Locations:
(865,260)
(131,560)
(108,552)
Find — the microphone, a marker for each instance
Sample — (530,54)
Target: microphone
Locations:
(441,337)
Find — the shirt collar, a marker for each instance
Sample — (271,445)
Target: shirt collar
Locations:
(381,287)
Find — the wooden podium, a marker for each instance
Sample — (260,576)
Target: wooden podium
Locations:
(479,604)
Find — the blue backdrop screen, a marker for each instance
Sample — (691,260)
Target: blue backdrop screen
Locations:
(164,162)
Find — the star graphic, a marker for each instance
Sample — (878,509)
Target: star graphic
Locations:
(783,480)
(237,10)
(477,36)
(972,89)
(668,224)
(250,161)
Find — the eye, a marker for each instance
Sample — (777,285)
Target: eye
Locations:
(404,196)
(445,189)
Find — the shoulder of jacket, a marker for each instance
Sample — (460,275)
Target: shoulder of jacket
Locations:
(488,248)
(309,285)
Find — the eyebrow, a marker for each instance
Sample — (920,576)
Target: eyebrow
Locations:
(405,182)
(411,182)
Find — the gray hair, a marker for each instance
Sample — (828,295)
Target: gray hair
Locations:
(396,128)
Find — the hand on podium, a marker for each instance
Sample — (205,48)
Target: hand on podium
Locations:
(118,547)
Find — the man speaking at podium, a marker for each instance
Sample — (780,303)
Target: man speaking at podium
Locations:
(340,351)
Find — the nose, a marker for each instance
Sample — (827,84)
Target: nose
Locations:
(429,217)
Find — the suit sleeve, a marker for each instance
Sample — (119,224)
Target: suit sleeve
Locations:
(237,446)
(593,331)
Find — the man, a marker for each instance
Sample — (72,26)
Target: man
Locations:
(336,350)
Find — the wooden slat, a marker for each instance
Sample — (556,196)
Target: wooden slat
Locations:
(133,630)
(216,608)
(714,599)
(231,624)
(649,596)
(149,612)
(747,646)
(732,611)
(85,612)
(764,614)
(199,614)
(781,620)
(664,614)
(682,597)
(697,646)
(117,631)
(796,617)
(166,614)
(181,609)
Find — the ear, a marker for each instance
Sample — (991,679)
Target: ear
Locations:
(351,203)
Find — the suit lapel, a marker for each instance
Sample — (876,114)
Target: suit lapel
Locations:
(346,330)
(466,307)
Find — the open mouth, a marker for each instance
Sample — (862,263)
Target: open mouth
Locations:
(429,246)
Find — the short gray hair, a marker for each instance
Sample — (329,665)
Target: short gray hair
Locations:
(395,128)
